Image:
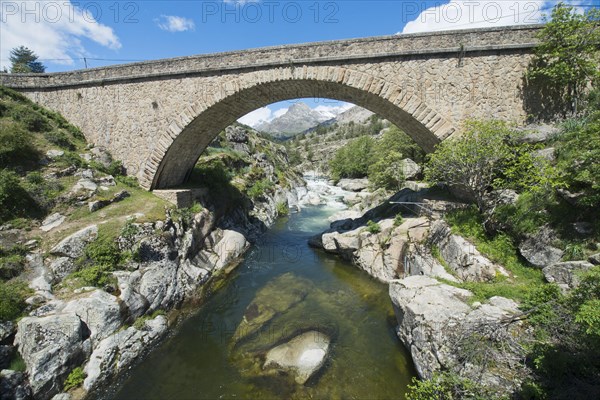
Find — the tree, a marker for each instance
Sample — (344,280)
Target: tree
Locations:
(473,161)
(568,53)
(387,172)
(353,160)
(24,60)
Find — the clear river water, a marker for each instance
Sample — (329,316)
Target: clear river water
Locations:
(201,360)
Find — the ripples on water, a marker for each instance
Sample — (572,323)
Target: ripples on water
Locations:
(366,360)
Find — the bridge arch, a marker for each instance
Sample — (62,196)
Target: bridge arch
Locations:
(178,148)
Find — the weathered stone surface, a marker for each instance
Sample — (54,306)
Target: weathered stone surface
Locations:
(566,274)
(52,221)
(85,184)
(461,256)
(230,247)
(73,245)
(304,355)
(99,310)
(538,249)
(13,385)
(117,352)
(410,169)
(435,320)
(101,155)
(50,346)
(594,259)
(6,353)
(62,266)
(53,154)
(7,328)
(353,185)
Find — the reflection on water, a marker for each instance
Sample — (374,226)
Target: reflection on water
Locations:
(365,359)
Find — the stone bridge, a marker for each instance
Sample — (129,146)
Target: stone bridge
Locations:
(159,116)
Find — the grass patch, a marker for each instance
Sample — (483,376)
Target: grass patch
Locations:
(282,209)
(17,363)
(373,227)
(12,299)
(75,379)
(140,323)
(501,250)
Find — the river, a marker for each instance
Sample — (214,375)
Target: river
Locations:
(365,359)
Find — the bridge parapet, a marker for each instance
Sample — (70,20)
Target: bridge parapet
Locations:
(409,45)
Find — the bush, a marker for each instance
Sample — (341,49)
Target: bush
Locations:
(15,202)
(60,139)
(30,118)
(353,160)
(398,219)
(282,209)
(259,189)
(15,145)
(373,227)
(12,299)
(387,172)
(130,181)
(75,379)
(447,386)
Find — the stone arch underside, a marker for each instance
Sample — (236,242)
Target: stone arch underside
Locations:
(177,150)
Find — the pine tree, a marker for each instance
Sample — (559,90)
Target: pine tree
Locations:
(24,60)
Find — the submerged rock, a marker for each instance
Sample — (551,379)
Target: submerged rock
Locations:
(304,355)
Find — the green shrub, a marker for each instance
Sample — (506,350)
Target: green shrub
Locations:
(574,251)
(17,363)
(130,181)
(71,159)
(282,209)
(398,219)
(387,172)
(373,227)
(259,189)
(75,379)
(15,202)
(16,146)
(353,160)
(97,275)
(140,323)
(448,386)
(60,139)
(12,299)
(31,119)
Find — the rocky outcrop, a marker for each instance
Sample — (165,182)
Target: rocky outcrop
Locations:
(538,250)
(443,331)
(461,256)
(353,185)
(73,245)
(51,346)
(119,351)
(566,274)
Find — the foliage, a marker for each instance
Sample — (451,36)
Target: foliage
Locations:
(394,140)
(578,155)
(373,227)
(15,145)
(447,386)
(140,323)
(12,299)
(567,55)
(14,200)
(282,209)
(60,138)
(259,188)
(101,257)
(24,60)
(387,172)
(487,156)
(186,214)
(75,379)
(398,219)
(30,118)
(566,355)
(354,159)
(130,181)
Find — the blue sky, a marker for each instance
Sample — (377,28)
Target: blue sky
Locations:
(62,33)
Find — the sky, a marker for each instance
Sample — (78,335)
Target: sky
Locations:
(69,35)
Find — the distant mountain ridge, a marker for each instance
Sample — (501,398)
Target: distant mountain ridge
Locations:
(298,118)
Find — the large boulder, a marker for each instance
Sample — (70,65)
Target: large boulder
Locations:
(72,246)
(410,169)
(566,274)
(444,332)
(13,385)
(538,250)
(353,185)
(116,353)
(99,310)
(461,256)
(52,221)
(302,356)
(51,347)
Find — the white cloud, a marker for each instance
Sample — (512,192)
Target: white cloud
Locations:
(466,14)
(173,23)
(53,30)
(254,118)
(333,111)
(279,113)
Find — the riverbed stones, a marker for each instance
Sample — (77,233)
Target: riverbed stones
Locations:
(302,356)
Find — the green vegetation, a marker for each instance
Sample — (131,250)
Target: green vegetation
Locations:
(353,160)
(567,56)
(447,386)
(282,209)
(398,219)
(140,323)
(373,227)
(24,60)
(12,299)
(259,188)
(75,379)
(101,257)
(566,353)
